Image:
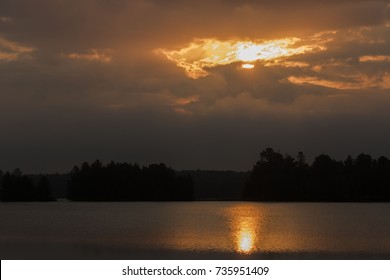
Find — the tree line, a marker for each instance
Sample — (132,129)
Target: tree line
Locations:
(278,177)
(99,182)
(18,187)
(128,182)
(275,177)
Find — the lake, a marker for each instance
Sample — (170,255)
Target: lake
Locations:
(194,230)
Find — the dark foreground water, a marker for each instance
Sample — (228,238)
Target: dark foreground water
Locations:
(195,230)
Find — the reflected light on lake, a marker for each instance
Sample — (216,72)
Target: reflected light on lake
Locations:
(245,240)
(245,228)
(196,230)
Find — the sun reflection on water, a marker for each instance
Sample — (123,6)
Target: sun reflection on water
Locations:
(245,236)
(245,242)
(244,228)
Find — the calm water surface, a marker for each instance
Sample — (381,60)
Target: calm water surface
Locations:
(193,230)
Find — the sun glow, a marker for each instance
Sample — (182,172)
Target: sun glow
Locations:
(247,66)
(245,242)
(245,236)
(204,54)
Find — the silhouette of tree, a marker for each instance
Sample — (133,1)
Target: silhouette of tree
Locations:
(301,160)
(383,179)
(364,179)
(349,178)
(17,187)
(274,177)
(127,182)
(282,178)
(301,173)
(1,182)
(42,191)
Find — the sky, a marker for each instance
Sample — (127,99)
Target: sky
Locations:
(194,84)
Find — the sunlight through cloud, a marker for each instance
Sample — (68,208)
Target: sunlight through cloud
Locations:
(204,54)
(248,66)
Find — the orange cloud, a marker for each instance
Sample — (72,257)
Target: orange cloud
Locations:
(187,100)
(375,58)
(284,63)
(360,82)
(10,51)
(322,82)
(207,53)
(93,55)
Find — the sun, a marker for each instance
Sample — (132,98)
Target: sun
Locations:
(247,66)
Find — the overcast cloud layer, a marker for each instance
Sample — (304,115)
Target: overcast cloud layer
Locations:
(81,80)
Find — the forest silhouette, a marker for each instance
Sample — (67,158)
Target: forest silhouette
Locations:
(275,177)
(18,187)
(278,177)
(128,182)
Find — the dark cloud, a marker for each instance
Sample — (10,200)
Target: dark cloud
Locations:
(80,80)
(93,23)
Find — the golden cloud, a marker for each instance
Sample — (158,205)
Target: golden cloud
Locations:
(10,51)
(375,58)
(104,56)
(203,54)
(359,82)
(187,100)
